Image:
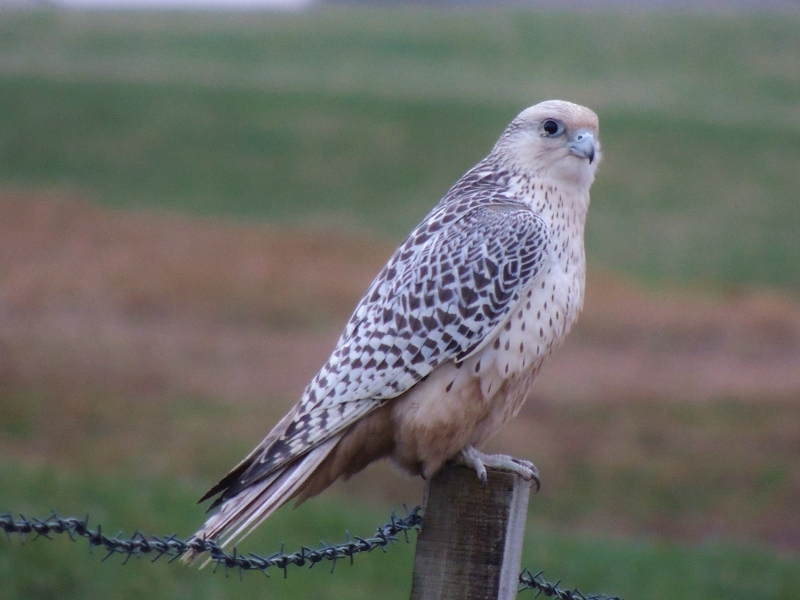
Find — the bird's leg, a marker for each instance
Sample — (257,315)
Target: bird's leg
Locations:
(477,460)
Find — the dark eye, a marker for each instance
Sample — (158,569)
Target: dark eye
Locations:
(552,127)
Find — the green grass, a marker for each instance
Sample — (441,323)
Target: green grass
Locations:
(693,471)
(363,118)
(682,470)
(61,569)
(647,570)
(623,484)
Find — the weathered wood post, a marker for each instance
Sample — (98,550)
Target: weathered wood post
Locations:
(470,546)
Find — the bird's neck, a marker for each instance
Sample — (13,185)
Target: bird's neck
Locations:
(555,201)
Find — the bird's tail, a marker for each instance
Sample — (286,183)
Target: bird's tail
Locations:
(239,515)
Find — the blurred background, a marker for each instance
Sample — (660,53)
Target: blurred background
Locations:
(192,202)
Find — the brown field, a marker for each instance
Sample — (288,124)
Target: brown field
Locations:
(158,344)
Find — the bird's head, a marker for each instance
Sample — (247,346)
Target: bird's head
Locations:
(555,140)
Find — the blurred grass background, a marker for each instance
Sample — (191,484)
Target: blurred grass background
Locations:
(364,116)
(355,121)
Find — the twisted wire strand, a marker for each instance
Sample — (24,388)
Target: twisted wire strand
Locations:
(173,547)
(530,581)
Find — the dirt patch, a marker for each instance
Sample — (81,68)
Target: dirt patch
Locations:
(158,302)
(678,345)
(161,303)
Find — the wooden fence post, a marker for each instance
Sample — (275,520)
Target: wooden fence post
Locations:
(470,546)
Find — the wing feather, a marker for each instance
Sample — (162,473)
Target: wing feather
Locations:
(441,296)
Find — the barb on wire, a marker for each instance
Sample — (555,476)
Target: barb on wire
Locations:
(531,581)
(173,547)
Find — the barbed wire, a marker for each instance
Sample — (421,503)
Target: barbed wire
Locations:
(529,581)
(173,547)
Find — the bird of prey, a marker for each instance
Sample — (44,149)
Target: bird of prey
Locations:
(443,348)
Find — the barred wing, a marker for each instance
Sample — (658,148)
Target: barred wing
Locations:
(440,297)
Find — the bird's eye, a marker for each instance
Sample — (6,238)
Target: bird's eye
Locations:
(552,127)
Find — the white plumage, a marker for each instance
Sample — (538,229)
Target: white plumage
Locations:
(445,345)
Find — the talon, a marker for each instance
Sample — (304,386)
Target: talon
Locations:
(471,457)
(483,476)
(533,472)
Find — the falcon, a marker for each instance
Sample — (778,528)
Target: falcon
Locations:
(445,345)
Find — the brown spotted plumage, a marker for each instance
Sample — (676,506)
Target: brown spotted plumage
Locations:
(445,345)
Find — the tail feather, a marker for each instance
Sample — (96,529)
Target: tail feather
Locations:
(226,482)
(241,514)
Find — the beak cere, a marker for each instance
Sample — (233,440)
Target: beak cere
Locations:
(582,145)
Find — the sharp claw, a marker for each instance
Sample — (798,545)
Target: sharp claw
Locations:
(534,475)
(478,461)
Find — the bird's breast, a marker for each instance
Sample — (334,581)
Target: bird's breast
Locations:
(537,325)
(465,403)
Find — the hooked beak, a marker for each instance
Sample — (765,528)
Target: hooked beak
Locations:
(582,145)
